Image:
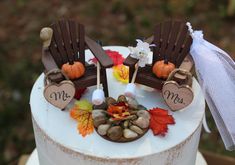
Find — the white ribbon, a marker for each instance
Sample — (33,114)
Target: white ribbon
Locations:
(216,74)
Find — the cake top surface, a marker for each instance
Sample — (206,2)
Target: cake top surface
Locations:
(62,129)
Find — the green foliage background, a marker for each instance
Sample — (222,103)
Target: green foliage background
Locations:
(115,22)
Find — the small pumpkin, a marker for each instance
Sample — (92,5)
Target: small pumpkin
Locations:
(163,68)
(74,70)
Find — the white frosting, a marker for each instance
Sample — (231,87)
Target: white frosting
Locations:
(59,127)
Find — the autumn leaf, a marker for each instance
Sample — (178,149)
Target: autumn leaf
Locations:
(79,93)
(159,120)
(116,57)
(121,73)
(82,112)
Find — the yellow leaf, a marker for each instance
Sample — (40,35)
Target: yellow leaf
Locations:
(82,112)
(121,73)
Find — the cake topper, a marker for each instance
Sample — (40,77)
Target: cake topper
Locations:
(140,52)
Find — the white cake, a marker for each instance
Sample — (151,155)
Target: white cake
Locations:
(59,143)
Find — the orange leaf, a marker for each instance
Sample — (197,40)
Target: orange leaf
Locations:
(83,114)
(85,123)
(159,121)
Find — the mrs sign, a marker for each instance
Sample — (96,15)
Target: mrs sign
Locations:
(177,96)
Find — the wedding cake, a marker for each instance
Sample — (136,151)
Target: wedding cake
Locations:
(59,143)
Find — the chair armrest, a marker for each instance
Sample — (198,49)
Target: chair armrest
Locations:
(149,39)
(187,65)
(130,61)
(50,64)
(48,60)
(104,60)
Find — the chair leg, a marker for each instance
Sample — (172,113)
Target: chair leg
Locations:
(105,82)
(131,72)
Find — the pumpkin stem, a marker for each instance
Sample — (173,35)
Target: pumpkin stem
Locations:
(71,62)
(165,61)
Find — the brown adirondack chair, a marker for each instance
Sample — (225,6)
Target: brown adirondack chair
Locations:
(68,44)
(173,43)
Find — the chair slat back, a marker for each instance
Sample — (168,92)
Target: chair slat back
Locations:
(172,42)
(68,42)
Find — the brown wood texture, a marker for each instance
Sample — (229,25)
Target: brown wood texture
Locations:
(98,52)
(173,43)
(68,44)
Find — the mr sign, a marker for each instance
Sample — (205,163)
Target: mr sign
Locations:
(60,94)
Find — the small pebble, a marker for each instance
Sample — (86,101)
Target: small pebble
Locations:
(131,117)
(103,128)
(115,133)
(126,124)
(101,106)
(129,134)
(122,98)
(141,122)
(110,100)
(99,120)
(98,113)
(133,104)
(144,114)
(136,129)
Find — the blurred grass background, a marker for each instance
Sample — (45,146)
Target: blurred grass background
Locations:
(115,22)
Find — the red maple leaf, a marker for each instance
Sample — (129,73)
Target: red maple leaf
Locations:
(79,93)
(114,55)
(159,120)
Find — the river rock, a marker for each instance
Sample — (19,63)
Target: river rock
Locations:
(99,120)
(103,128)
(141,122)
(144,114)
(101,106)
(110,100)
(98,113)
(129,134)
(122,98)
(133,104)
(136,129)
(115,133)
(126,123)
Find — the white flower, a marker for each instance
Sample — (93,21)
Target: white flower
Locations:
(141,52)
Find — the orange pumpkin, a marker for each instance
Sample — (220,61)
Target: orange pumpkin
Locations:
(163,68)
(74,70)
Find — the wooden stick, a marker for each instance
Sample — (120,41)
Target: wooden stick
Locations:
(98,75)
(135,74)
